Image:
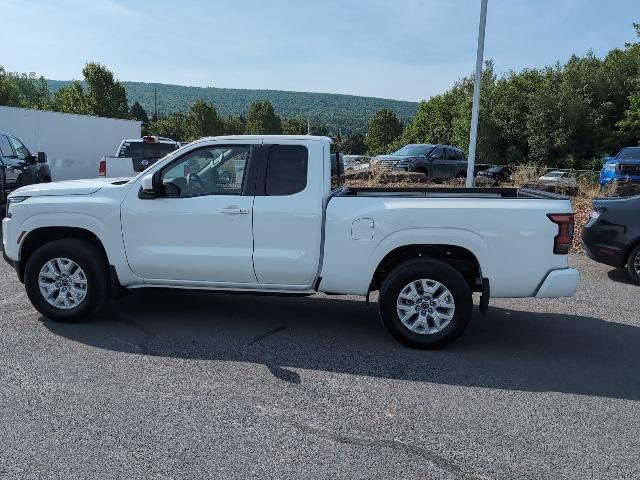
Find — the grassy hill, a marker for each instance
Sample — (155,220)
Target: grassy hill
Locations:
(349,112)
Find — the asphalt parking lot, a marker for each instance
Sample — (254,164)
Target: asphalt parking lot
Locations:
(172,384)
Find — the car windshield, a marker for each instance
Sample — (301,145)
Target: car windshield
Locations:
(146,149)
(494,169)
(629,153)
(413,151)
(554,174)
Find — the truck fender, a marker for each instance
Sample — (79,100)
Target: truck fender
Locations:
(457,237)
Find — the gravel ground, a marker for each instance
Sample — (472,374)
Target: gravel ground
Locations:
(170,384)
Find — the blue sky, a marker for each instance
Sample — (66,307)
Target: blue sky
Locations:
(403,49)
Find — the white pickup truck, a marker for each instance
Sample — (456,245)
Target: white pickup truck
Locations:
(266,214)
(135,155)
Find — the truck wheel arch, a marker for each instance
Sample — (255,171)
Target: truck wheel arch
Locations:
(43,235)
(458,257)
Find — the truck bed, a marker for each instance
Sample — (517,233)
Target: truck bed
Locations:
(447,192)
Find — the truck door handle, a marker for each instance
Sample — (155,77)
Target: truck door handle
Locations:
(235,211)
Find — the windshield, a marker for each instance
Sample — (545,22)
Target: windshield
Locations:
(554,174)
(629,153)
(146,150)
(494,169)
(413,151)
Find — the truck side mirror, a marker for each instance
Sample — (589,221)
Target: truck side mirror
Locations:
(147,184)
(30,159)
(151,186)
(42,157)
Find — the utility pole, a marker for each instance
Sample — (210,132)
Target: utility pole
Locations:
(155,104)
(475,109)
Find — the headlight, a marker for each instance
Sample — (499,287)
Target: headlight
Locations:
(13,200)
(610,166)
(595,214)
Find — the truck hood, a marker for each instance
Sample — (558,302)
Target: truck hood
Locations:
(68,187)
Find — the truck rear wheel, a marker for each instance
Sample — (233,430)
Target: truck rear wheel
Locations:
(66,280)
(425,303)
(633,264)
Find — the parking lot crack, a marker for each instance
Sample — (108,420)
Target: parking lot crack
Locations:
(269,333)
(395,444)
(143,345)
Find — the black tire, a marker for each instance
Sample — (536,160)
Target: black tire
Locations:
(88,257)
(634,255)
(431,269)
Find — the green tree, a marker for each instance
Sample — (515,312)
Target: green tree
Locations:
(174,126)
(234,125)
(71,99)
(203,121)
(105,96)
(24,90)
(355,144)
(139,113)
(262,119)
(295,126)
(630,124)
(384,129)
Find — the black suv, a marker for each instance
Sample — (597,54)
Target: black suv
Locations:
(438,162)
(18,167)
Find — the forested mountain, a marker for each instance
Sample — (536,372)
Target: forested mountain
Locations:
(348,112)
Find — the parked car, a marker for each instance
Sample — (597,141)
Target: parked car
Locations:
(612,235)
(497,173)
(18,167)
(558,176)
(438,162)
(356,162)
(135,155)
(625,166)
(258,214)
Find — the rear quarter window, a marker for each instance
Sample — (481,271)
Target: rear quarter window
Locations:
(287,167)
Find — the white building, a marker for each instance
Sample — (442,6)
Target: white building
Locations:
(73,143)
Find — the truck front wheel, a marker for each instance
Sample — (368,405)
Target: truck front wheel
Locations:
(66,280)
(425,303)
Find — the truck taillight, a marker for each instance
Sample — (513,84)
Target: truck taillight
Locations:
(563,240)
(102,168)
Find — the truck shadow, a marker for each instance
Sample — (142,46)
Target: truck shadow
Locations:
(620,275)
(505,349)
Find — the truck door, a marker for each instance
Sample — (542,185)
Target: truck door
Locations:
(9,164)
(199,229)
(451,163)
(437,163)
(288,209)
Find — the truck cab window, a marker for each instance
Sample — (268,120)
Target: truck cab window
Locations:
(5,147)
(218,170)
(286,169)
(20,149)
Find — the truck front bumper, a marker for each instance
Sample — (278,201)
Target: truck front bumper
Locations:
(6,250)
(559,283)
